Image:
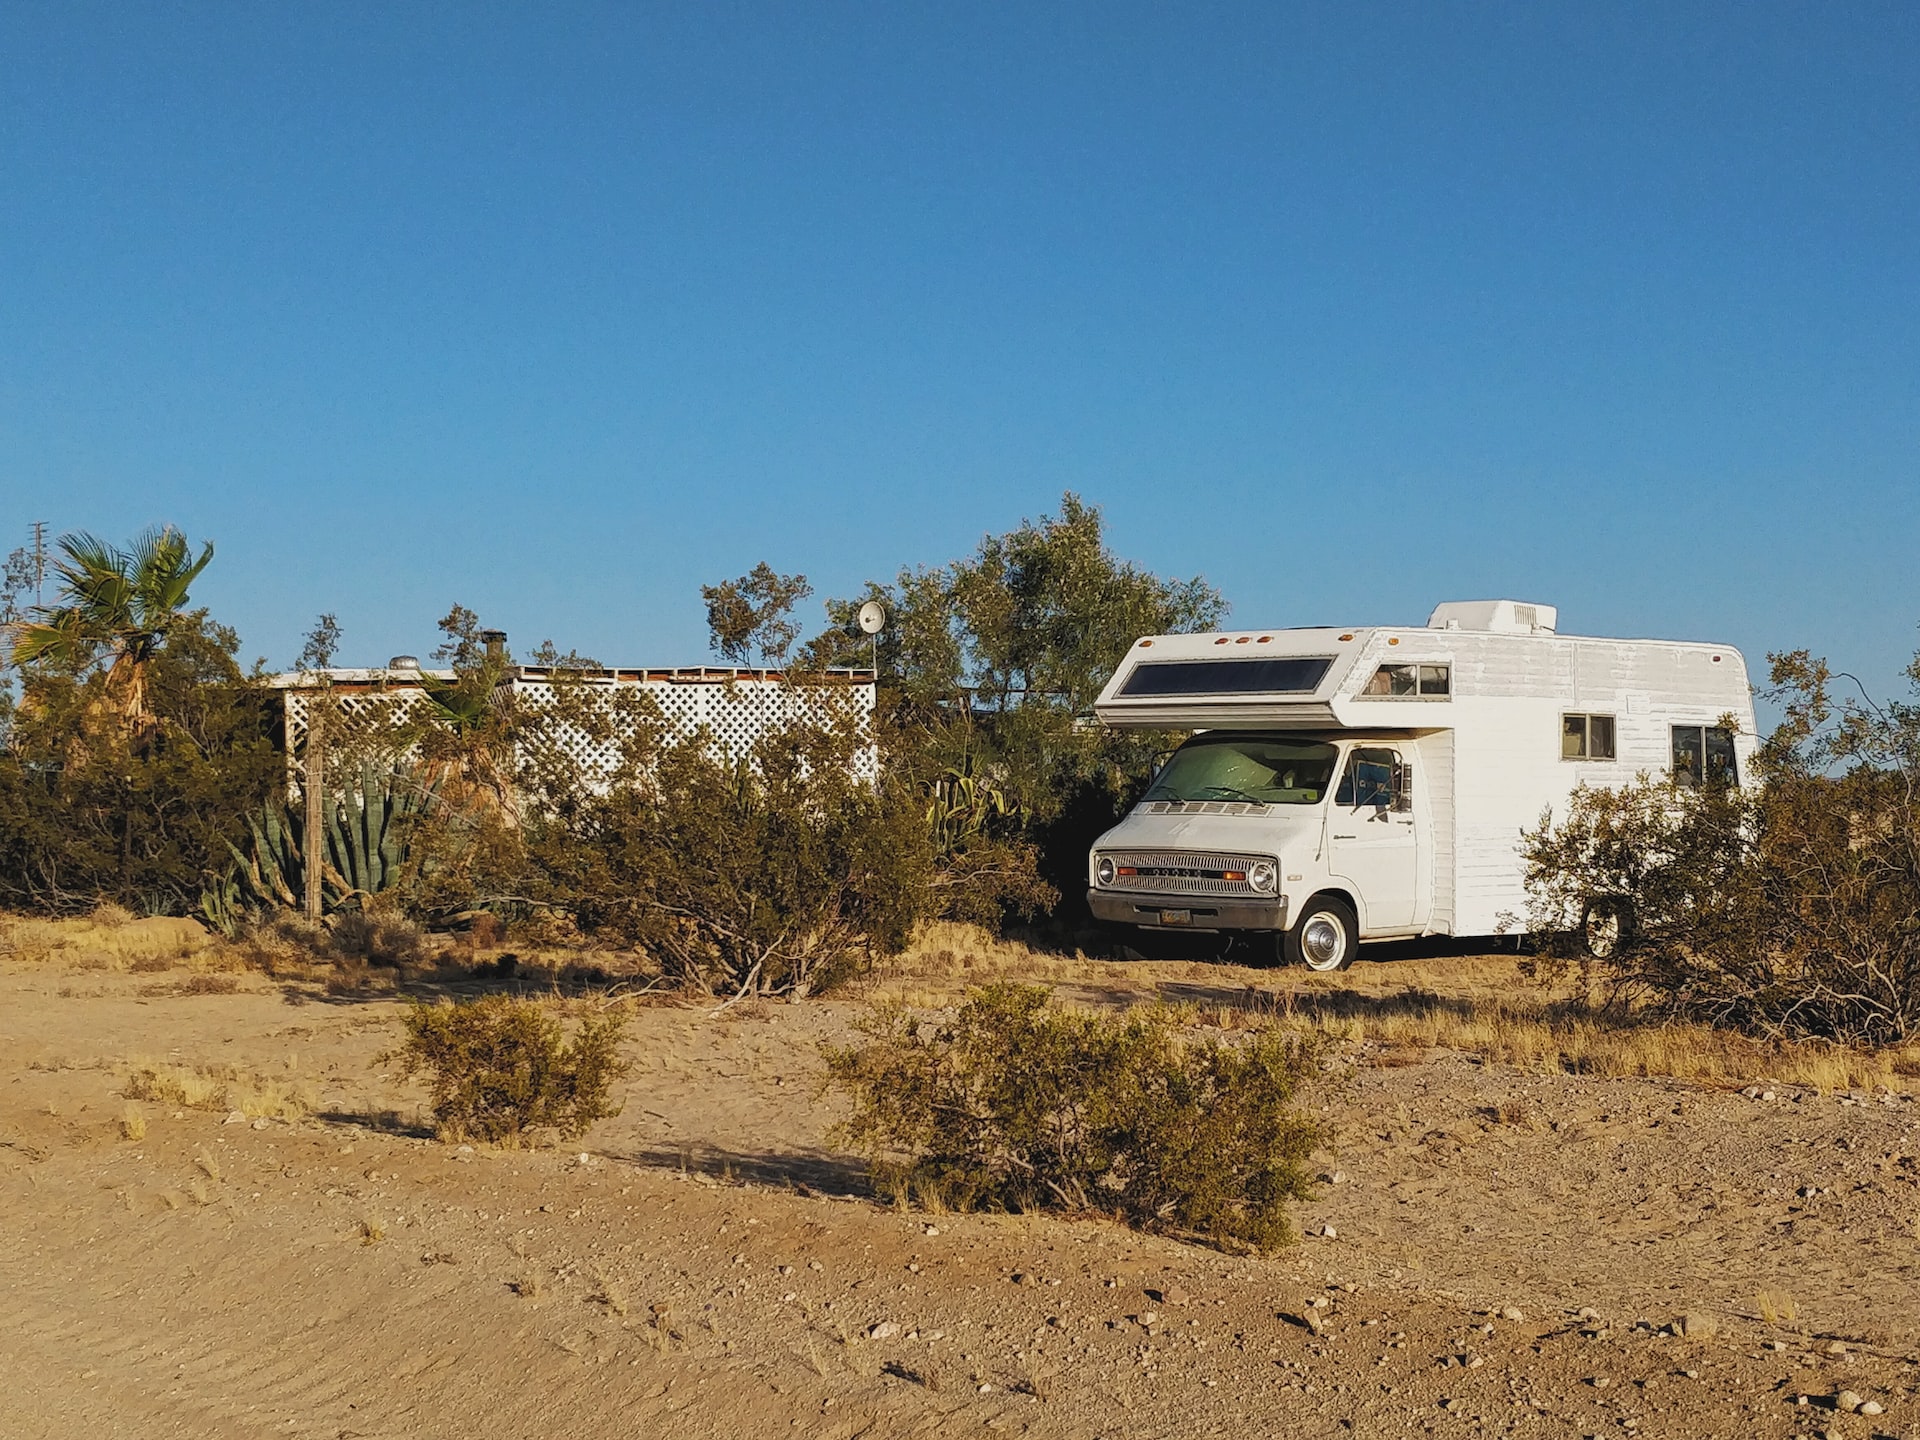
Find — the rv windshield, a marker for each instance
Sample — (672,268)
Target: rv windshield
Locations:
(1264,770)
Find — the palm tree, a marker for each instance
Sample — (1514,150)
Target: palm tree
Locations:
(120,605)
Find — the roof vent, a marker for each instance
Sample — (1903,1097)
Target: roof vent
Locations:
(404,662)
(1497,617)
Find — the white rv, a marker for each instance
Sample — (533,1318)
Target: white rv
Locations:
(1373,783)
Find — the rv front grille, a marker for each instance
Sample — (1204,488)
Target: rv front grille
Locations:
(1181,872)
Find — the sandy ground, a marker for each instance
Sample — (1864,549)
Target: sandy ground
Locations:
(708,1265)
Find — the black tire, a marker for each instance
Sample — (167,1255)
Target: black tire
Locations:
(1325,938)
(1606,927)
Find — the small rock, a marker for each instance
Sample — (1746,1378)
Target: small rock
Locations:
(1514,1314)
(262,1123)
(1848,1400)
(1453,1407)
(983,1389)
(234,1118)
(885,1330)
(1836,1347)
(1147,1319)
(1768,1095)
(1587,1313)
(1598,1382)
(1872,1407)
(1327,1232)
(1171,1295)
(1311,1319)
(931,1230)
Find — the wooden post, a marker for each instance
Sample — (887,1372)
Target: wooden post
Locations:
(316,786)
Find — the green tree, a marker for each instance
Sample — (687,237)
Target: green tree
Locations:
(119,607)
(90,809)
(990,666)
(752,617)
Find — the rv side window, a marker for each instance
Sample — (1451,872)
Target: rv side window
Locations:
(1376,778)
(1586,737)
(1411,682)
(1703,750)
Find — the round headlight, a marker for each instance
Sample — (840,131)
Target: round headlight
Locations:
(1261,875)
(1103,872)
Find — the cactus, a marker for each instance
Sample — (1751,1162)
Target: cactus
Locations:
(963,807)
(364,847)
(222,905)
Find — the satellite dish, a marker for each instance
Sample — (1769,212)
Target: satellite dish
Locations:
(873,617)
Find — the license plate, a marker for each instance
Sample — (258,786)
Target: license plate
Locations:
(1176,917)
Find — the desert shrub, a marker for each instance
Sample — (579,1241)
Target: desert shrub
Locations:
(783,873)
(379,937)
(1015,1104)
(500,1067)
(91,809)
(1790,910)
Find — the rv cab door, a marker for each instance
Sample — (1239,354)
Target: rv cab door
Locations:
(1371,841)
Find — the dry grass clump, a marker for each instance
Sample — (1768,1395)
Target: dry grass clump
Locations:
(1400,1011)
(192,1087)
(133,1123)
(1535,1037)
(113,939)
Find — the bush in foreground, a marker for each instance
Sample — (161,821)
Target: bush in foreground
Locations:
(499,1067)
(1014,1104)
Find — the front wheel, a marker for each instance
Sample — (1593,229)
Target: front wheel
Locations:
(1326,937)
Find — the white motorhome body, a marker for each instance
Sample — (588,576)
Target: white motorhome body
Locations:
(1446,741)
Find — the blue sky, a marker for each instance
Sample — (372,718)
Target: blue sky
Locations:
(560,311)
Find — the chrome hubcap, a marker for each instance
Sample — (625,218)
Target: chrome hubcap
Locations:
(1322,941)
(1603,934)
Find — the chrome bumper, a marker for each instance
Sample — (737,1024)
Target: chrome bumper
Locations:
(1204,912)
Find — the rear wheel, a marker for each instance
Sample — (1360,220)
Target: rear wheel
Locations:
(1606,925)
(1326,937)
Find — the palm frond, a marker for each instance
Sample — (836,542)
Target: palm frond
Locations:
(161,573)
(61,639)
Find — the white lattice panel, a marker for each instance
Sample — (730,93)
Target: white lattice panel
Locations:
(736,714)
(736,711)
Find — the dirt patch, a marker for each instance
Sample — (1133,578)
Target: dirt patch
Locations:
(1496,1248)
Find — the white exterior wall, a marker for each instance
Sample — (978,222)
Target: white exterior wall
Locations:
(1510,693)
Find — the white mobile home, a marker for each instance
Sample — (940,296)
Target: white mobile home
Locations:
(1373,782)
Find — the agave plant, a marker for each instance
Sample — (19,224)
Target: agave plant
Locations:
(963,807)
(365,845)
